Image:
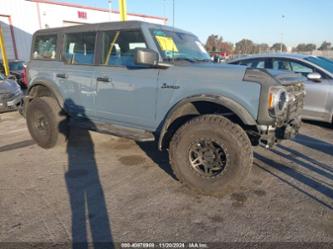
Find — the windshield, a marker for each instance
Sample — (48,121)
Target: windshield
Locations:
(179,46)
(321,62)
(16,66)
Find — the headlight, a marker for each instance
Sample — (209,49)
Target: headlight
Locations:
(277,100)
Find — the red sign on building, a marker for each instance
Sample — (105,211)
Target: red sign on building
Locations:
(82,14)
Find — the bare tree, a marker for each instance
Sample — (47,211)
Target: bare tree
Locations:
(325,46)
(245,46)
(262,48)
(303,47)
(277,47)
(212,43)
(215,43)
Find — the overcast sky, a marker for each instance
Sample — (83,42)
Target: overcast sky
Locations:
(258,20)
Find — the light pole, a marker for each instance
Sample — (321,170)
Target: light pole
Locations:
(110,10)
(283,17)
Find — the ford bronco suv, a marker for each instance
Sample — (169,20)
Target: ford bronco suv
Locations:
(151,82)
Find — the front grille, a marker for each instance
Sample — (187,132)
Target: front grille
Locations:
(296,101)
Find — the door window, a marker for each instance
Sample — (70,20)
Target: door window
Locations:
(258,64)
(281,65)
(118,47)
(45,47)
(80,48)
(294,66)
(253,63)
(301,68)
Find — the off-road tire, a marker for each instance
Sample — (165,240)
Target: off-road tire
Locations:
(235,142)
(47,124)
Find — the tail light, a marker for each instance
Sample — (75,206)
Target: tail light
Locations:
(25,76)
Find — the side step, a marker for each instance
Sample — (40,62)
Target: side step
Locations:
(115,130)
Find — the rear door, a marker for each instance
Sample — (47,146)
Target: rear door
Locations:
(76,73)
(126,93)
(317,93)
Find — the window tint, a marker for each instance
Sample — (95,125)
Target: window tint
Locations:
(258,64)
(294,66)
(45,47)
(322,62)
(246,63)
(15,66)
(254,63)
(281,65)
(80,48)
(301,68)
(118,47)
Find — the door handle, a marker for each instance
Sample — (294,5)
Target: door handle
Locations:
(104,79)
(62,76)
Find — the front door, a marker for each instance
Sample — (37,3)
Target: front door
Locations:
(126,93)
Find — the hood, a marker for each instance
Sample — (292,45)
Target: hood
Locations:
(210,71)
(9,86)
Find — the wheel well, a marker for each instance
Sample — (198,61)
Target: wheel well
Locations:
(197,108)
(41,91)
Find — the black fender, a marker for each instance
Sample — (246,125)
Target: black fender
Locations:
(44,83)
(52,87)
(232,105)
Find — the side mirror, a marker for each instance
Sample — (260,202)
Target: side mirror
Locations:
(146,57)
(316,77)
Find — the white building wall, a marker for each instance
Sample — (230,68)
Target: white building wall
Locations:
(28,16)
(24,23)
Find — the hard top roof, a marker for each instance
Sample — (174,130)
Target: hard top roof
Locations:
(109,26)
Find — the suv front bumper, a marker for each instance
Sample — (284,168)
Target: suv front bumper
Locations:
(10,103)
(288,123)
(269,135)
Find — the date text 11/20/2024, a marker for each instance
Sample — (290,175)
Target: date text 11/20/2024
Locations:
(164,245)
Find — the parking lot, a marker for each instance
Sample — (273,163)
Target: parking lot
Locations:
(102,188)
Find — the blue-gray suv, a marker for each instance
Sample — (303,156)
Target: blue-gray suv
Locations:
(150,82)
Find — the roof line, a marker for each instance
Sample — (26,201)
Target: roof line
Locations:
(95,8)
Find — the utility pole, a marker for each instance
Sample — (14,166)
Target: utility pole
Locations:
(123,10)
(3,53)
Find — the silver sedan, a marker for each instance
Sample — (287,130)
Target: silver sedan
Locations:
(319,85)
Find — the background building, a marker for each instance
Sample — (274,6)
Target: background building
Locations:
(19,19)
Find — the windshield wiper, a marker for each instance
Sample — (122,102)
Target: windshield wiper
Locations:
(192,60)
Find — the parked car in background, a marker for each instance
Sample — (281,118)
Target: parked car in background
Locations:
(17,68)
(319,84)
(10,94)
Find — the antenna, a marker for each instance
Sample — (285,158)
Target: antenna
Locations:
(173,13)
(173,26)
